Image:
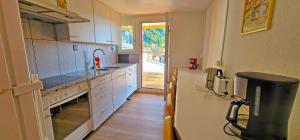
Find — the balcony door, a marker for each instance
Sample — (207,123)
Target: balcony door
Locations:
(153,55)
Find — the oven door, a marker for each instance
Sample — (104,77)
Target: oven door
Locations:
(70,114)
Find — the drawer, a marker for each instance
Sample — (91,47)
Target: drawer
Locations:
(118,73)
(67,92)
(103,99)
(101,88)
(134,68)
(102,115)
(100,80)
(129,69)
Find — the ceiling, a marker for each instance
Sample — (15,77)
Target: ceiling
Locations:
(145,7)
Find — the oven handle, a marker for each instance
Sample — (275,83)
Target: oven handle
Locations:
(68,99)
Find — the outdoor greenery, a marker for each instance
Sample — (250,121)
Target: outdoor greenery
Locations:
(127,36)
(154,37)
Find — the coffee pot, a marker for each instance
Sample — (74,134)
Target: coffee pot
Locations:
(269,99)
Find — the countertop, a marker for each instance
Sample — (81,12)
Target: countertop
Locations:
(199,114)
(61,81)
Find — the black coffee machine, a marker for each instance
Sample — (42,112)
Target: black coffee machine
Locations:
(269,99)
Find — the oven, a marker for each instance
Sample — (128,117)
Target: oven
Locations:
(70,115)
(69,109)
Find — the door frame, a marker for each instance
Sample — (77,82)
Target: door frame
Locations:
(18,70)
(7,103)
(166,72)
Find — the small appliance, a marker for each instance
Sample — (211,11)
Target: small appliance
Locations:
(269,99)
(223,86)
(193,63)
(211,74)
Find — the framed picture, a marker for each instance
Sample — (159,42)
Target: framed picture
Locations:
(257,16)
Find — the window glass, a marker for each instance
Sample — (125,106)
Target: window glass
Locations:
(127,38)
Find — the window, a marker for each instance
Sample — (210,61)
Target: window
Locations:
(127,38)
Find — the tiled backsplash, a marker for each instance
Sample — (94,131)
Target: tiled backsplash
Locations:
(49,57)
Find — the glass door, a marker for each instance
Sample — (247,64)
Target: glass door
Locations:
(153,58)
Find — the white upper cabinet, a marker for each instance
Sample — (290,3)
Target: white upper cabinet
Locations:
(103,28)
(102,23)
(115,27)
(83,32)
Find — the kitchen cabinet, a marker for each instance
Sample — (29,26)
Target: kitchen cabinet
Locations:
(102,102)
(102,23)
(131,78)
(81,32)
(115,27)
(119,91)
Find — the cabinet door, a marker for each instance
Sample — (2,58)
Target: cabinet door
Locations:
(83,32)
(102,23)
(134,78)
(119,91)
(115,27)
(123,89)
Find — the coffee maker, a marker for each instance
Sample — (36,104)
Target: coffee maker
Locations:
(269,99)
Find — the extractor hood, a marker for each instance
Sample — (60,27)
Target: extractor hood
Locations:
(38,9)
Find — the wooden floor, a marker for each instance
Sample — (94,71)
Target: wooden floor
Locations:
(153,80)
(141,118)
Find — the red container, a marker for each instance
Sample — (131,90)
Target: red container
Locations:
(193,63)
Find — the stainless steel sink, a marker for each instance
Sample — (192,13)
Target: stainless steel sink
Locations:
(112,67)
(104,69)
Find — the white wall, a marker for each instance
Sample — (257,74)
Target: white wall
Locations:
(214,33)
(187,38)
(273,51)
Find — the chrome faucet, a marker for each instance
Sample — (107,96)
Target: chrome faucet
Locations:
(94,56)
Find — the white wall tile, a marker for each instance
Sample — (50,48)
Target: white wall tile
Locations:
(46,58)
(66,57)
(41,30)
(30,56)
(106,60)
(81,56)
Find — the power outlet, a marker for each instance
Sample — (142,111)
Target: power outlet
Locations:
(219,63)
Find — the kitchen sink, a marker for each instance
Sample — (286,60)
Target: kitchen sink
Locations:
(104,69)
(112,67)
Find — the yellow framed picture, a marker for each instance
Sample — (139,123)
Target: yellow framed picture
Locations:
(257,16)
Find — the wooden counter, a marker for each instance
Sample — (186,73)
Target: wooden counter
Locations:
(199,114)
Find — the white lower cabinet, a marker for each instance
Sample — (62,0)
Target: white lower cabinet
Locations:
(110,92)
(102,99)
(119,91)
(131,78)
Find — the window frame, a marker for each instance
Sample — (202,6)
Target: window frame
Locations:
(133,50)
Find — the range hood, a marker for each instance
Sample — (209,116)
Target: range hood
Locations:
(38,9)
